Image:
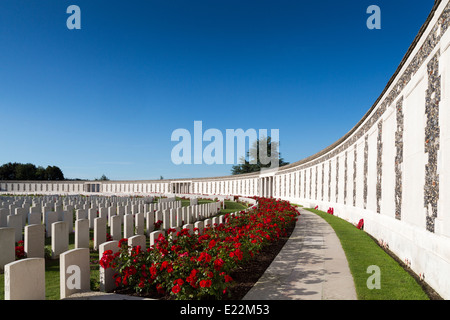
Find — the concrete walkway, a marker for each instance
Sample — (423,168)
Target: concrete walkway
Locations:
(311,266)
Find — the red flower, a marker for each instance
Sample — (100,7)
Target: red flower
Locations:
(205,283)
(218,263)
(176,289)
(212,243)
(360,224)
(204,256)
(228,278)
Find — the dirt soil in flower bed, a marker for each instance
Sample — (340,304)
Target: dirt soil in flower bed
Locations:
(245,277)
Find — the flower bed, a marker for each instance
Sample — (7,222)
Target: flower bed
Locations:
(185,266)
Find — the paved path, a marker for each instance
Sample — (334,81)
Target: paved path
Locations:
(311,266)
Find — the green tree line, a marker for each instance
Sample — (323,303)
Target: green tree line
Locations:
(28,171)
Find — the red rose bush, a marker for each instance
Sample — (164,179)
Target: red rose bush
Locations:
(198,266)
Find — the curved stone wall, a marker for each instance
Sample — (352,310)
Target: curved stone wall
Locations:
(392,169)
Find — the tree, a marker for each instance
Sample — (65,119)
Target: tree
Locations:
(103,178)
(26,172)
(8,171)
(254,162)
(41,173)
(54,173)
(19,171)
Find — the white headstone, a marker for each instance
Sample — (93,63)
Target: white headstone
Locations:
(50,218)
(99,232)
(154,236)
(128,226)
(140,223)
(15,221)
(3,217)
(25,279)
(34,242)
(150,222)
(35,218)
(107,282)
(137,240)
(74,271)
(60,238)
(82,234)
(7,246)
(116,227)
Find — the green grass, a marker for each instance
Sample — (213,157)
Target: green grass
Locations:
(361,252)
(231,206)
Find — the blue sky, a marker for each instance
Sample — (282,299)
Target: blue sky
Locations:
(105,99)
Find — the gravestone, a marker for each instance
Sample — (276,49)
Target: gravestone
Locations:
(50,218)
(137,240)
(7,246)
(99,232)
(35,218)
(154,236)
(166,219)
(128,226)
(74,271)
(82,234)
(92,214)
(34,243)
(3,217)
(15,221)
(60,238)
(107,281)
(198,225)
(150,222)
(116,227)
(140,223)
(25,279)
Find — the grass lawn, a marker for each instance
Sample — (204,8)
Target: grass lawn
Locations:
(362,251)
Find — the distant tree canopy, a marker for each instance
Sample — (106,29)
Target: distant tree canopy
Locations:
(253,163)
(19,171)
(103,178)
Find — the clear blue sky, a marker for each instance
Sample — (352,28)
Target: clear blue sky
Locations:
(105,99)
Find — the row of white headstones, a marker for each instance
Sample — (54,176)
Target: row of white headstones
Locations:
(25,278)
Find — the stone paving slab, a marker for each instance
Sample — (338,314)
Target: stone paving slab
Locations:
(311,266)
